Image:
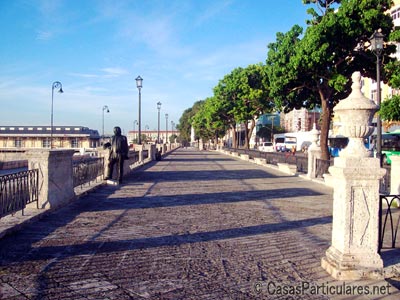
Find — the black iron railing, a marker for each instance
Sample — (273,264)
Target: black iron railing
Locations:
(387,214)
(17,190)
(88,170)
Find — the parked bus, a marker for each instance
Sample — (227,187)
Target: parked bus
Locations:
(288,141)
(390,146)
(283,142)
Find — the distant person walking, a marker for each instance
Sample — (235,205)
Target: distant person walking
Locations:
(118,153)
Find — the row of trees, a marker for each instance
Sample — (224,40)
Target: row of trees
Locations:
(303,69)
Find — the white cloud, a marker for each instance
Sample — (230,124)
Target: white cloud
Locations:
(217,7)
(43,35)
(114,72)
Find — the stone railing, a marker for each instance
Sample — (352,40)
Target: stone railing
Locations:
(55,167)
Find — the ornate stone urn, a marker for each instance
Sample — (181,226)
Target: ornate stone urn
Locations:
(355,114)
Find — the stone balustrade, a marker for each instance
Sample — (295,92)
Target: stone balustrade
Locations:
(56,175)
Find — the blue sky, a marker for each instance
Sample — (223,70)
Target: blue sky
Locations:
(96,49)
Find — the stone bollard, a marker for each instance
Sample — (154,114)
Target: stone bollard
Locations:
(353,253)
(314,152)
(55,175)
(152,152)
(395,177)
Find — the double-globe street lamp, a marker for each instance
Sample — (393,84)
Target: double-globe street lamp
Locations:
(55,85)
(105,109)
(139,81)
(158,131)
(377,47)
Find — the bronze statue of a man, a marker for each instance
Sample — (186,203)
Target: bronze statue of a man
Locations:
(118,153)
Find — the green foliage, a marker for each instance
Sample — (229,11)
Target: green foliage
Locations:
(315,69)
(390,109)
(304,68)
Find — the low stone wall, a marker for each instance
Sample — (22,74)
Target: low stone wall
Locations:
(14,164)
(12,155)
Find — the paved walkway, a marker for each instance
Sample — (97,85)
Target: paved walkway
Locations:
(196,225)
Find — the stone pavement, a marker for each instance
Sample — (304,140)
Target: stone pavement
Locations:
(196,225)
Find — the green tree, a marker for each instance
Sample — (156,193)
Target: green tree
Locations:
(390,109)
(315,69)
(185,122)
(201,121)
(243,96)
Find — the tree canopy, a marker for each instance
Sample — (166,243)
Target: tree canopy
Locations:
(318,65)
(305,68)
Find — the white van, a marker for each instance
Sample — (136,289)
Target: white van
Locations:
(266,147)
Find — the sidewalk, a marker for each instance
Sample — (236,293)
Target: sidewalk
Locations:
(196,225)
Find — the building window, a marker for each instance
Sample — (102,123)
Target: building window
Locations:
(396,14)
(74,143)
(298,125)
(18,143)
(373,95)
(46,143)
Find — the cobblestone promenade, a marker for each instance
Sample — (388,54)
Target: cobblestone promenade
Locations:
(196,225)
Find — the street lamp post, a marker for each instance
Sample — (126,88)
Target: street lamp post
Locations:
(139,81)
(158,131)
(377,47)
(166,128)
(134,123)
(55,85)
(105,108)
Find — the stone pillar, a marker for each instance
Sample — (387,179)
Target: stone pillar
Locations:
(353,253)
(152,152)
(140,149)
(314,152)
(395,177)
(55,175)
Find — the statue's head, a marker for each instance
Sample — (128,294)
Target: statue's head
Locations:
(117,130)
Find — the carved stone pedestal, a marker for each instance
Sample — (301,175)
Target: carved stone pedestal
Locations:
(354,250)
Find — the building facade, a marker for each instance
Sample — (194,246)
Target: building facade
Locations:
(70,137)
(300,120)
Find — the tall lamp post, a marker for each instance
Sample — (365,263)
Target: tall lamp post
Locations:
(55,85)
(158,131)
(105,108)
(166,128)
(139,81)
(134,123)
(377,47)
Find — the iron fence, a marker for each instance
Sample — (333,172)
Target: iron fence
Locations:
(388,215)
(17,190)
(88,170)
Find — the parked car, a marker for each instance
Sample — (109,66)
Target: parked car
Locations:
(266,147)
